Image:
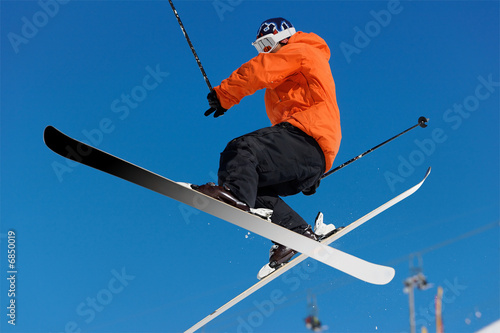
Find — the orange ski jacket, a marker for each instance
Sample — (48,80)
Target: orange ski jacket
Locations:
(299,89)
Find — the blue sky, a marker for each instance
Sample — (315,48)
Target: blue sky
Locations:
(97,254)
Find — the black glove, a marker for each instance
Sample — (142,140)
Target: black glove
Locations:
(214,103)
(311,190)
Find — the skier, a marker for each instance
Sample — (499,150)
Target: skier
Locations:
(291,156)
(313,323)
(312,320)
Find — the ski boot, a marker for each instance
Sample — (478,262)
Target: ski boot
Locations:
(223,193)
(280,255)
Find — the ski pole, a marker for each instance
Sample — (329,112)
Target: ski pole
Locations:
(191,46)
(422,122)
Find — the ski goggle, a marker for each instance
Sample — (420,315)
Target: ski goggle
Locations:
(268,43)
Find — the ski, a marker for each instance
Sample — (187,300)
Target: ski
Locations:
(98,159)
(302,257)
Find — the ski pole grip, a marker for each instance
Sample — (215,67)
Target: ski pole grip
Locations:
(422,121)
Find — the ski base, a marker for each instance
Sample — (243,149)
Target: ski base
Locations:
(100,160)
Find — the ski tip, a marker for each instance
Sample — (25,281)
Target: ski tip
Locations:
(384,277)
(48,132)
(54,140)
(389,276)
(428,172)
(49,129)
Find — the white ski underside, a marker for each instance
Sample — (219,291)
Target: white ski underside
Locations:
(96,158)
(302,257)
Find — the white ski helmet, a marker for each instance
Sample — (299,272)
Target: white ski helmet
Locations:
(271,32)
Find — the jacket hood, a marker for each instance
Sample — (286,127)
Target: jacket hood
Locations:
(313,40)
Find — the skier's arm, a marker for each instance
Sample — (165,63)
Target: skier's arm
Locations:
(264,71)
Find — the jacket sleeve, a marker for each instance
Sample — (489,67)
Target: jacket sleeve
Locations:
(267,70)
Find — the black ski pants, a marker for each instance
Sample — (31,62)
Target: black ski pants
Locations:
(264,165)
